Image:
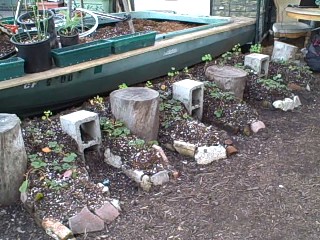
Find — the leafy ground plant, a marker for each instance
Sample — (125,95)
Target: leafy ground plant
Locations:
(114,128)
(274,83)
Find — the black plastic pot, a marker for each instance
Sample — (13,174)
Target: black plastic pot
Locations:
(68,40)
(23,21)
(37,55)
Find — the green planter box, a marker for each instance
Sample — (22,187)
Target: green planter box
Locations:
(11,68)
(133,41)
(81,53)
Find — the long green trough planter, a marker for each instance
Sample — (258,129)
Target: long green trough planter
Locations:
(64,86)
(133,41)
(11,68)
(79,53)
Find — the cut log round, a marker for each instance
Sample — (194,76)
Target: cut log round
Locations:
(229,79)
(138,107)
(13,158)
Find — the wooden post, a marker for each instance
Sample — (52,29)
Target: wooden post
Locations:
(138,107)
(126,9)
(13,158)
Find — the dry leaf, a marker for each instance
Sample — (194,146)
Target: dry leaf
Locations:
(46,150)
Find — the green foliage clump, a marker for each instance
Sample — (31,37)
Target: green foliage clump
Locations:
(256,48)
(274,83)
(114,128)
(123,86)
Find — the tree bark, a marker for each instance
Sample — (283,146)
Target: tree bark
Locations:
(13,158)
(138,107)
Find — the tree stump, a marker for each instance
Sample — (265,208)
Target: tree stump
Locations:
(138,107)
(229,79)
(13,158)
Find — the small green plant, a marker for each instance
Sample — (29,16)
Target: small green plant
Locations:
(55,185)
(276,83)
(185,70)
(123,86)
(66,164)
(256,48)
(71,24)
(227,56)
(114,128)
(207,58)
(149,84)
(218,112)
(173,72)
(236,50)
(98,101)
(46,115)
(56,147)
(218,94)
(171,111)
(36,161)
(139,143)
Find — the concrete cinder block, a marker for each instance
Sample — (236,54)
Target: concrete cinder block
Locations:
(258,62)
(190,93)
(83,126)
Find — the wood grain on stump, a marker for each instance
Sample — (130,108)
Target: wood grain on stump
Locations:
(13,158)
(138,107)
(229,79)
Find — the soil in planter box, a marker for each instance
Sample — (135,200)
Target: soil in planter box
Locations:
(6,47)
(140,25)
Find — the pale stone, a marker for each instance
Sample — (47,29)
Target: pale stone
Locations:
(83,126)
(296,101)
(160,178)
(112,159)
(139,177)
(186,149)
(206,155)
(257,125)
(85,221)
(190,93)
(116,203)
(107,212)
(287,103)
(146,183)
(56,230)
(258,62)
(283,51)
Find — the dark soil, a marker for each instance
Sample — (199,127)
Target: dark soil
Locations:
(269,190)
(6,47)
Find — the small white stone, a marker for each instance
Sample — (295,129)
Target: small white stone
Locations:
(296,101)
(281,186)
(105,189)
(100,185)
(308,88)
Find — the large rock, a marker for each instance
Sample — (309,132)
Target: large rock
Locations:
(229,79)
(138,107)
(85,221)
(13,159)
(160,178)
(186,149)
(206,155)
(111,159)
